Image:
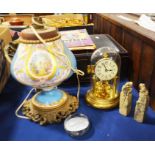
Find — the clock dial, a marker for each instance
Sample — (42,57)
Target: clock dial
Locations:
(106,69)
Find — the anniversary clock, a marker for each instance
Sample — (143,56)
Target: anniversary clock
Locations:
(105,71)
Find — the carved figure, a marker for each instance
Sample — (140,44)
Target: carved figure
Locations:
(141,104)
(125,99)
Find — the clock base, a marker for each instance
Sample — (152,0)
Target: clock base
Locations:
(101,103)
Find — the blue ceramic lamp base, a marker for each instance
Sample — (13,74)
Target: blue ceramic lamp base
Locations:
(50,106)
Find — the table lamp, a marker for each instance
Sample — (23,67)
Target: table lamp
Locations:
(43,61)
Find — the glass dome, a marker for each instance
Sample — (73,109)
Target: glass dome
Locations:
(105,70)
(112,54)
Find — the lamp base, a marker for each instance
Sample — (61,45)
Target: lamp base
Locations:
(101,103)
(50,106)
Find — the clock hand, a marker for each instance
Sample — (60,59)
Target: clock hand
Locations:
(110,70)
(105,67)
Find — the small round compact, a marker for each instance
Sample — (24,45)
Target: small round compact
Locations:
(76,124)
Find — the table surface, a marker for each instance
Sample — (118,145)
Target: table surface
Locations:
(130,25)
(105,124)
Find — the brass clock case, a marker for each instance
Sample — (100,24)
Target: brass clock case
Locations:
(105,70)
(101,103)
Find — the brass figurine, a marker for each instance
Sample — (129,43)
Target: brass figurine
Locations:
(125,99)
(141,104)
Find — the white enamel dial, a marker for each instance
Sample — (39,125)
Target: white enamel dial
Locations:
(106,69)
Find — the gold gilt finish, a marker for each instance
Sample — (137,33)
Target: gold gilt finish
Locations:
(53,113)
(100,103)
(64,20)
(104,94)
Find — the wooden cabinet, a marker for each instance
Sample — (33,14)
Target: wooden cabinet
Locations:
(138,41)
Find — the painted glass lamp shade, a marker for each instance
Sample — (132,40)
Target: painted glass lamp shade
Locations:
(43,61)
(33,65)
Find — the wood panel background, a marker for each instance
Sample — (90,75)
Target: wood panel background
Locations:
(138,41)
